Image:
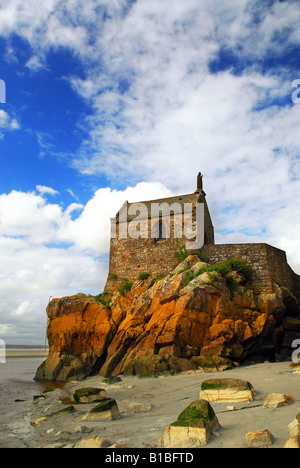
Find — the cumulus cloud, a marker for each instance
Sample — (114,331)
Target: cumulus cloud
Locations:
(22,309)
(91,230)
(202,86)
(157,105)
(47,252)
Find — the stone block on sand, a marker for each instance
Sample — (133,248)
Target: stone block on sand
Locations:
(227,391)
(89,395)
(107,410)
(294,427)
(257,439)
(275,400)
(93,442)
(193,427)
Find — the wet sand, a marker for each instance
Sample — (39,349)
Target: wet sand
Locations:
(26,353)
(17,388)
(168,397)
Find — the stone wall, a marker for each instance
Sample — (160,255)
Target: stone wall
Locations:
(129,257)
(133,249)
(269,264)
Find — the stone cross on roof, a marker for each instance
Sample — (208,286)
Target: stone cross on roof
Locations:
(199,182)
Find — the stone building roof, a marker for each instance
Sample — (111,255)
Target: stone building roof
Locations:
(179,200)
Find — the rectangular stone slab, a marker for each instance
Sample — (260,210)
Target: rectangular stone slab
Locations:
(227,391)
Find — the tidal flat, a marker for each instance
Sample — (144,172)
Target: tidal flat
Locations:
(160,400)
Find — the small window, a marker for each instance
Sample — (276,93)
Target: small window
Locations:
(160,231)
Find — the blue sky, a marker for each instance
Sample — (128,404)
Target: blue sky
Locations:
(48,112)
(115,100)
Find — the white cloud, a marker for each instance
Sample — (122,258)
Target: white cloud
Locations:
(4,118)
(47,253)
(42,189)
(70,191)
(7,123)
(73,256)
(28,215)
(23,308)
(4,328)
(14,124)
(172,108)
(175,113)
(35,63)
(159,114)
(91,230)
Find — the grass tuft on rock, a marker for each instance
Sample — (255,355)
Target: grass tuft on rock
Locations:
(125,286)
(196,414)
(224,268)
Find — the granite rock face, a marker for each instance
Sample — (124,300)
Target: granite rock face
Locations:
(172,324)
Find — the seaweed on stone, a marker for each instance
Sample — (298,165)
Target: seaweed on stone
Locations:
(196,414)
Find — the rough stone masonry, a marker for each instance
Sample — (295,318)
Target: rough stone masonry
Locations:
(156,255)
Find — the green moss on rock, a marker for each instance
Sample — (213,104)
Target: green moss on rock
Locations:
(212,362)
(67,410)
(39,397)
(49,390)
(215,384)
(201,424)
(197,414)
(105,405)
(85,392)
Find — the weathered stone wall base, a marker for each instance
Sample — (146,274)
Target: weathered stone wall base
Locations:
(269,264)
(158,257)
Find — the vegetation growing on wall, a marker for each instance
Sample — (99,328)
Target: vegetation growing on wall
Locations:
(182,253)
(225,269)
(104,299)
(125,286)
(143,276)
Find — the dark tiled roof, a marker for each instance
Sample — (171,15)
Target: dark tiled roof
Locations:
(180,200)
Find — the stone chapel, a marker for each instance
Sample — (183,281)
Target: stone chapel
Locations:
(146,235)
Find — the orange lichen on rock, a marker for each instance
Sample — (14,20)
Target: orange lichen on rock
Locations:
(162,326)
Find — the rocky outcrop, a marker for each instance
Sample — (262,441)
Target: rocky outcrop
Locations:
(173,324)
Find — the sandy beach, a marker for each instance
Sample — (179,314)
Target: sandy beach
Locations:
(26,353)
(168,396)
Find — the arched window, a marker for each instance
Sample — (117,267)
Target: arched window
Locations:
(160,231)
